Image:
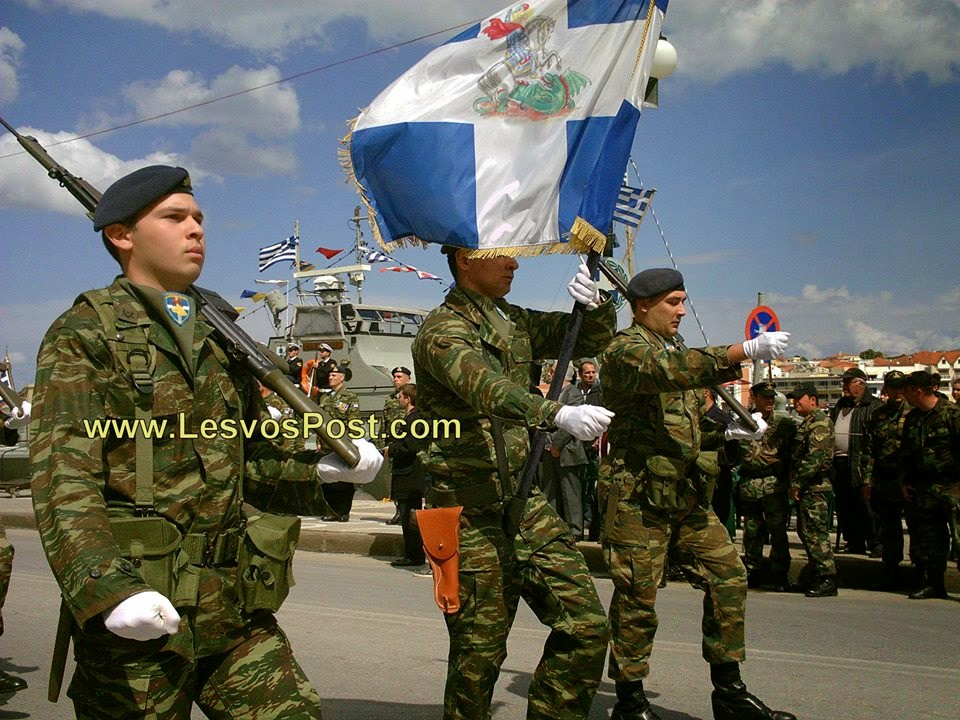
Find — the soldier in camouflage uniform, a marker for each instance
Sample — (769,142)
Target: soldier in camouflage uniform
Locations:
(344,405)
(392,412)
(930,477)
(140,652)
(811,468)
(764,482)
(472,358)
(880,470)
(655,487)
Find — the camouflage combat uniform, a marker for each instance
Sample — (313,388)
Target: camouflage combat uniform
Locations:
(341,405)
(223,659)
(654,488)
(9,437)
(810,470)
(880,469)
(930,465)
(764,482)
(472,357)
(391,412)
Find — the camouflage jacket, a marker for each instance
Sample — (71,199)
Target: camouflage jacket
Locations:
(880,459)
(930,453)
(341,405)
(811,466)
(391,412)
(199,482)
(652,384)
(765,463)
(470,367)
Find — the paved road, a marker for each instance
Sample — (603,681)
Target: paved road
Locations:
(372,641)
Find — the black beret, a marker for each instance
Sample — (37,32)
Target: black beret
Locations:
(919,379)
(851,373)
(894,379)
(653,282)
(334,366)
(141,188)
(401,369)
(761,389)
(804,389)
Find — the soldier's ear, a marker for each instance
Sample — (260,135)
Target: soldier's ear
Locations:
(118,235)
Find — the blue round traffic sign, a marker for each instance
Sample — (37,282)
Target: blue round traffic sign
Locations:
(761,319)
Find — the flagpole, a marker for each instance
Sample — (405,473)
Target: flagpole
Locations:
(514,505)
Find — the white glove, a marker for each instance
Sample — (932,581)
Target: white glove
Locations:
(583,288)
(736,431)
(331,468)
(584,422)
(766,346)
(144,616)
(274,413)
(18,418)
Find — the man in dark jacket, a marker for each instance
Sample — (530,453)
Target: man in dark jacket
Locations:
(407,478)
(850,416)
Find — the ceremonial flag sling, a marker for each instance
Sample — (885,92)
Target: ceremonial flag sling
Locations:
(527,117)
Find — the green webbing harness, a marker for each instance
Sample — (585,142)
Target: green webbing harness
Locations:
(132,351)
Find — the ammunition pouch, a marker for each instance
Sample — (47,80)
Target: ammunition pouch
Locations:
(265,559)
(663,481)
(152,546)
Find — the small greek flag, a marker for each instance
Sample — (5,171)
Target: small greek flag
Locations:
(278,252)
(632,204)
(375,256)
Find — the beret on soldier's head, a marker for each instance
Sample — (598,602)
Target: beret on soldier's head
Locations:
(134,192)
(764,389)
(919,379)
(334,366)
(804,389)
(653,282)
(401,369)
(894,379)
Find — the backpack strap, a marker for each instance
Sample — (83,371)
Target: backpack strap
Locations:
(137,358)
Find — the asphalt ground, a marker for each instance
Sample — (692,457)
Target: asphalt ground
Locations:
(367,533)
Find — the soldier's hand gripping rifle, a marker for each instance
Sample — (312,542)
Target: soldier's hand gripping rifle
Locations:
(217,311)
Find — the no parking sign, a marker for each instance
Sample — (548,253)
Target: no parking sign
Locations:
(761,319)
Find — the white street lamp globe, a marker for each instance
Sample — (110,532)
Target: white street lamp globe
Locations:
(664,60)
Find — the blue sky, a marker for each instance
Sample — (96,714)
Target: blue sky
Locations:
(809,150)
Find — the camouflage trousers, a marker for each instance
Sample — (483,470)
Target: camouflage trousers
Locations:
(812,524)
(256,680)
(931,519)
(765,516)
(544,567)
(6,569)
(635,550)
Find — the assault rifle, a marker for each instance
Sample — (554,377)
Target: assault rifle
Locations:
(215,310)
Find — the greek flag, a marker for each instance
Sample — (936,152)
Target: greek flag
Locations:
(375,256)
(511,138)
(278,252)
(632,204)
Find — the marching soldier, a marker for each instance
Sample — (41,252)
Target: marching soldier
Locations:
(655,488)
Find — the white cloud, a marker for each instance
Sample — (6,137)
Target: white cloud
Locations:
(25,184)
(11,47)
(271,110)
(898,39)
(229,152)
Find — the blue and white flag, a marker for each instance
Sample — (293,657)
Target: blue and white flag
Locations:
(511,138)
(632,205)
(375,256)
(278,252)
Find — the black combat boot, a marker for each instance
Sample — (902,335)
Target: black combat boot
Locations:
(731,701)
(11,683)
(934,587)
(632,703)
(823,586)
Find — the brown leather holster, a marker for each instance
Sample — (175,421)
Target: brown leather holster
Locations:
(440,531)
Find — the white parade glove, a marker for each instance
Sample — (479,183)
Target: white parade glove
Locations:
(18,418)
(583,288)
(584,422)
(331,468)
(766,346)
(274,413)
(736,431)
(144,616)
